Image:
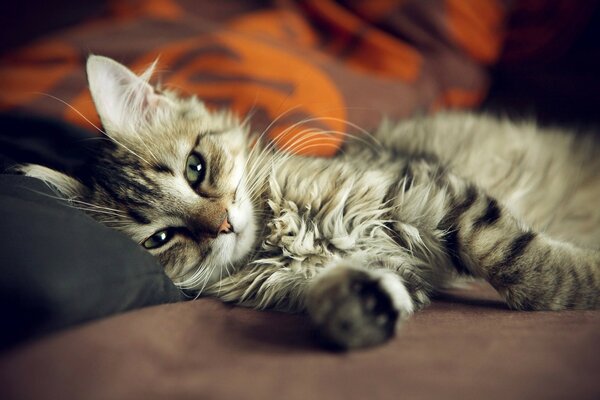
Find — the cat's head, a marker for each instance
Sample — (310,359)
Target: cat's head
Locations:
(170,174)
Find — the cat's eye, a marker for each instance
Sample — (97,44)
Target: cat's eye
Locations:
(158,239)
(195,169)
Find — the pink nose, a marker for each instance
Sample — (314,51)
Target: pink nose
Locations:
(226,227)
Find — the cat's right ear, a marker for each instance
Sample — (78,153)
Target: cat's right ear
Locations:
(123,100)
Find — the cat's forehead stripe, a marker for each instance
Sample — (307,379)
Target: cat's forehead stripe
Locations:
(215,167)
(127,184)
(163,168)
(138,217)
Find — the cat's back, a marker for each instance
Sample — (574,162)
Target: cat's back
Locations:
(548,176)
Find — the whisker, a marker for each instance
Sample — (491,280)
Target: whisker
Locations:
(72,108)
(93,208)
(297,146)
(92,124)
(258,140)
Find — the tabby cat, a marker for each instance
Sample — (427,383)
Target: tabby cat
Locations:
(360,241)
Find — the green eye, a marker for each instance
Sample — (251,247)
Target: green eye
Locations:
(158,239)
(195,169)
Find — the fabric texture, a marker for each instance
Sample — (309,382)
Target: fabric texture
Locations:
(466,346)
(59,267)
(283,62)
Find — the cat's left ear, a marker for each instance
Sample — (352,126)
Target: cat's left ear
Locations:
(124,101)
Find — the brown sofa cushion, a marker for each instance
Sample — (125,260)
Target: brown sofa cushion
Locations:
(469,346)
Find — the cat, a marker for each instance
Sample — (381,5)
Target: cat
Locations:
(360,241)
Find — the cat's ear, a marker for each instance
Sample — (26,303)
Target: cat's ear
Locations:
(124,101)
(67,186)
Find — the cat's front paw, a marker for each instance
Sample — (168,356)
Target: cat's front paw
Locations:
(353,308)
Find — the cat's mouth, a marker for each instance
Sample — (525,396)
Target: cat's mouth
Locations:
(226,227)
(241,230)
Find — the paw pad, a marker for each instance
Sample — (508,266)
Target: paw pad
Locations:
(360,312)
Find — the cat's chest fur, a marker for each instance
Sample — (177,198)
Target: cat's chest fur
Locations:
(318,209)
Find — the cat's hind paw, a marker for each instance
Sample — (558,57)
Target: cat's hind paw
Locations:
(353,308)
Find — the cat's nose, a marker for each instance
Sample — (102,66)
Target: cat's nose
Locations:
(226,227)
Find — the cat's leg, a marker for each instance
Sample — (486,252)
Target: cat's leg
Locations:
(531,270)
(482,238)
(352,306)
(352,303)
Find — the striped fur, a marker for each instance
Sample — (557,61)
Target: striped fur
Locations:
(360,241)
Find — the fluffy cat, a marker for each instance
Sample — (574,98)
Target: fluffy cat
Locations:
(360,241)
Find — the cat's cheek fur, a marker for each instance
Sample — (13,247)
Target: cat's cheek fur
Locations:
(226,251)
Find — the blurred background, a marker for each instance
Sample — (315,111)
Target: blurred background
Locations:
(320,62)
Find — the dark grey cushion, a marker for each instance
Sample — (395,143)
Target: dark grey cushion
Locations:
(59,267)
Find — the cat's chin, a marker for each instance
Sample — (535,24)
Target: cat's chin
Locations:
(227,254)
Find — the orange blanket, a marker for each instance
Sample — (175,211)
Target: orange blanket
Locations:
(320,64)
